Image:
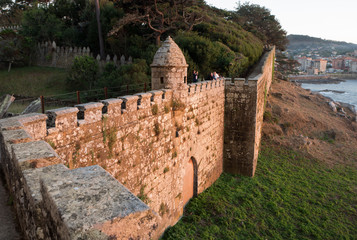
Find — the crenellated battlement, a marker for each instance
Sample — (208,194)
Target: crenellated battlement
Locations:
(125,167)
(204,86)
(33,170)
(62,119)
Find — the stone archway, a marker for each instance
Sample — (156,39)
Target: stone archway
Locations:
(189,180)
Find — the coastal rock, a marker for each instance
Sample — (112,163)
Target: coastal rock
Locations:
(306,97)
(341,115)
(342,111)
(332,106)
(277,95)
(302,141)
(349,106)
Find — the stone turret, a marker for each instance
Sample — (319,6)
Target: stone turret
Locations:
(169,67)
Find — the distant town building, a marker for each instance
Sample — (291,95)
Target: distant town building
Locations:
(353,67)
(312,71)
(348,61)
(338,63)
(319,64)
(305,63)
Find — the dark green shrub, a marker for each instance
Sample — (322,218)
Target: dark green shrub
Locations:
(83,73)
(135,74)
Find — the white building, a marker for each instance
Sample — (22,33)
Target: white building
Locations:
(353,66)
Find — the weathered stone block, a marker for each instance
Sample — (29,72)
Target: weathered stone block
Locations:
(35,124)
(16,136)
(130,103)
(156,96)
(62,118)
(10,124)
(92,201)
(167,95)
(112,107)
(89,112)
(34,154)
(144,100)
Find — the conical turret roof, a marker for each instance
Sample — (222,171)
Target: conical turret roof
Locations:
(169,55)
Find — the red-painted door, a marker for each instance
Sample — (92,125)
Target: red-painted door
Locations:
(188,181)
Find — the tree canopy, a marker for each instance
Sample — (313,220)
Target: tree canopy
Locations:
(228,42)
(259,21)
(160,16)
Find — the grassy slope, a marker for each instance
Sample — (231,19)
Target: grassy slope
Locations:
(304,187)
(291,197)
(33,81)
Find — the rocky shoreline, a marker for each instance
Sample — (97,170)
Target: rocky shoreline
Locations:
(339,107)
(319,81)
(333,91)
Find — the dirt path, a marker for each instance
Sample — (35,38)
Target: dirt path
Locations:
(8,230)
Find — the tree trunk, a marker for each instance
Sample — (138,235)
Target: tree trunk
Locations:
(9,69)
(158,40)
(101,44)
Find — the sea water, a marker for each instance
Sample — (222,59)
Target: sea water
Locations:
(341,92)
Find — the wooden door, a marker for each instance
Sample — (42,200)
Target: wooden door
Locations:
(188,181)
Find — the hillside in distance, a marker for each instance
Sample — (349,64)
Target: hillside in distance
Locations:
(301,43)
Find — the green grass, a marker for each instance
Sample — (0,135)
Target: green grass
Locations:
(290,197)
(33,81)
(19,107)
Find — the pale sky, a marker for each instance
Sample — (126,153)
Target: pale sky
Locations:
(327,19)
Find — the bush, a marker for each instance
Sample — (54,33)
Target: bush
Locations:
(135,74)
(15,48)
(83,73)
(208,55)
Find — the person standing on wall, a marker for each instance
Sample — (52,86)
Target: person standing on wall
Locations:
(210,76)
(195,76)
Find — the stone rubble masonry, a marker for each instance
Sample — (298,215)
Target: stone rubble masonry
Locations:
(114,169)
(54,202)
(244,110)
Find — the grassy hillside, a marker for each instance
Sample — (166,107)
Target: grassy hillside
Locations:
(305,182)
(33,81)
(303,43)
(291,197)
(30,83)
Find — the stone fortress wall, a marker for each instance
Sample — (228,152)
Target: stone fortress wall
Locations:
(10,27)
(244,108)
(48,54)
(118,169)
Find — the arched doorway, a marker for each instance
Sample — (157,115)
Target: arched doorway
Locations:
(190,180)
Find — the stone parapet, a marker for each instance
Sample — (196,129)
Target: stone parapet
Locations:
(244,109)
(112,107)
(94,205)
(156,97)
(130,103)
(62,118)
(34,154)
(35,124)
(54,202)
(89,112)
(67,168)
